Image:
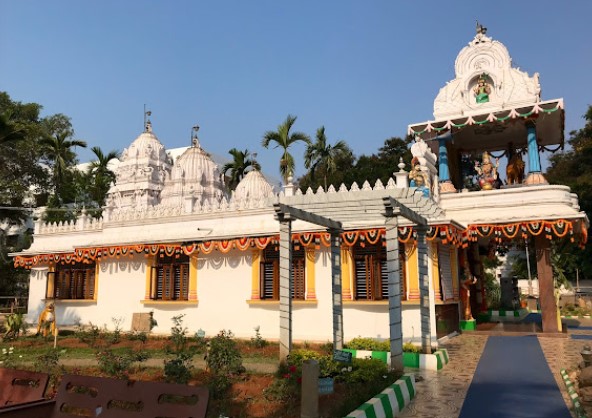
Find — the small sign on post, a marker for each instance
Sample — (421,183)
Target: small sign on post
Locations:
(342,356)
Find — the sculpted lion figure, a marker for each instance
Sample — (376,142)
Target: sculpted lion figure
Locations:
(515,170)
(47,325)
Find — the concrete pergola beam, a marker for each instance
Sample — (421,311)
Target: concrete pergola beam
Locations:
(282,210)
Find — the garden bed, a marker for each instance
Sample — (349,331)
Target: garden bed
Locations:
(235,391)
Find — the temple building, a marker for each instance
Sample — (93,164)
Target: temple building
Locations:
(401,260)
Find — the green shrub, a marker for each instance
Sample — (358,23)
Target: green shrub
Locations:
(360,343)
(118,364)
(296,357)
(364,371)
(409,347)
(178,368)
(15,324)
(223,355)
(258,341)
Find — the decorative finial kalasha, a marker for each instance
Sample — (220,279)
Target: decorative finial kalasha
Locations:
(481,30)
(147,124)
(194,138)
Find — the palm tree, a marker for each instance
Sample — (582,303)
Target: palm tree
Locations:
(284,140)
(100,174)
(321,154)
(241,161)
(58,149)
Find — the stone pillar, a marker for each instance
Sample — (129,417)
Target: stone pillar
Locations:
(285,286)
(336,290)
(535,176)
(546,284)
(401,176)
(309,401)
(394,294)
(424,289)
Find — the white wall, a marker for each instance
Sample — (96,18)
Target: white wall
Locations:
(223,291)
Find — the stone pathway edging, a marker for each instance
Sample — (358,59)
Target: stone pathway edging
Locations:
(575,398)
(389,402)
(435,361)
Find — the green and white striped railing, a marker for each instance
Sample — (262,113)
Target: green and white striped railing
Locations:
(573,394)
(435,361)
(390,402)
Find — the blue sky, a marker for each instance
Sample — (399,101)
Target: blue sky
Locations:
(363,69)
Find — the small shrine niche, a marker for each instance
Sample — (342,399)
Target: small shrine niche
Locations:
(482,89)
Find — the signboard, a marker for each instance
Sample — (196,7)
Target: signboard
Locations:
(342,356)
(200,333)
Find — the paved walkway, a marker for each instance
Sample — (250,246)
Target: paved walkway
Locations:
(442,394)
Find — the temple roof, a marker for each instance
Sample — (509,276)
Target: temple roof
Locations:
(253,186)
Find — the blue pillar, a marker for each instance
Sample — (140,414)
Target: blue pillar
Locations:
(534,159)
(443,171)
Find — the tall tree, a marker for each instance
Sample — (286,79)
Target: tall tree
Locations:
(284,140)
(22,180)
(100,175)
(58,148)
(241,162)
(573,168)
(321,154)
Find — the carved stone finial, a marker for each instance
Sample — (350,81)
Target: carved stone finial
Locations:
(401,165)
(481,30)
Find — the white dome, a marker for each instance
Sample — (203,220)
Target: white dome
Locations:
(193,174)
(253,186)
(140,174)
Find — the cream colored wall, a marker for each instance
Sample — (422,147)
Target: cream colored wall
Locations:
(37,285)
(223,289)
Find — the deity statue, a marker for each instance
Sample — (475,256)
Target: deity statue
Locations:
(482,90)
(487,172)
(47,323)
(418,178)
(465,293)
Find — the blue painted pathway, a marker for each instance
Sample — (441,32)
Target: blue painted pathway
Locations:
(513,379)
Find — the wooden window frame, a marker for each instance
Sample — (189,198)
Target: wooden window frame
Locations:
(170,279)
(74,282)
(371,258)
(269,274)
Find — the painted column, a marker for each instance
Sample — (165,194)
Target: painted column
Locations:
(424,289)
(446,185)
(150,279)
(394,293)
(443,171)
(256,274)
(346,271)
(534,159)
(193,277)
(286,285)
(454,272)
(546,284)
(309,253)
(336,290)
(413,273)
(535,176)
(435,271)
(50,285)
